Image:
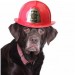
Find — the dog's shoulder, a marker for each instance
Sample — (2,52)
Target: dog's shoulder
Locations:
(5,50)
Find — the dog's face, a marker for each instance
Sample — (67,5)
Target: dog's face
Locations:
(32,40)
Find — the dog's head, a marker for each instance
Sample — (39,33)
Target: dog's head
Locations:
(32,40)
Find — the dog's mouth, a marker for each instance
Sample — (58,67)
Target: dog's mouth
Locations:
(32,50)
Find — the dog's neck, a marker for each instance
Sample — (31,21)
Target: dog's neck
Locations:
(21,55)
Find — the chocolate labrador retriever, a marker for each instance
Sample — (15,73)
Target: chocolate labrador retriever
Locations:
(24,55)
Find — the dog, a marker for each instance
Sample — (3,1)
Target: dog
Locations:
(24,54)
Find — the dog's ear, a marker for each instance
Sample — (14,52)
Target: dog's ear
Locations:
(14,30)
(51,34)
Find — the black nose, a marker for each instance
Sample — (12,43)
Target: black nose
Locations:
(34,40)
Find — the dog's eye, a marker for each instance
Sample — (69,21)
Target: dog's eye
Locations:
(41,31)
(26,30)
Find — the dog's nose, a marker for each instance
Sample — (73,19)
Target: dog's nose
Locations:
(34,40)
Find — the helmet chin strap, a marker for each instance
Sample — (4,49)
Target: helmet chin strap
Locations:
(21,55)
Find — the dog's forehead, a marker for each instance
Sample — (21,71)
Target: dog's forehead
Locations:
(32,29)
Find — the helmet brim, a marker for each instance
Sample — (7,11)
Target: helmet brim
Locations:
(34,25)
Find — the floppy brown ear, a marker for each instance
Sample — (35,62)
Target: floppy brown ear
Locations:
(51,34)
(14,30)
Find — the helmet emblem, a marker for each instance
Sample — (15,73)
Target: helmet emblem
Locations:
(33,16)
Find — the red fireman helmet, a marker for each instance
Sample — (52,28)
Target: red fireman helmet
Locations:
(34,14)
